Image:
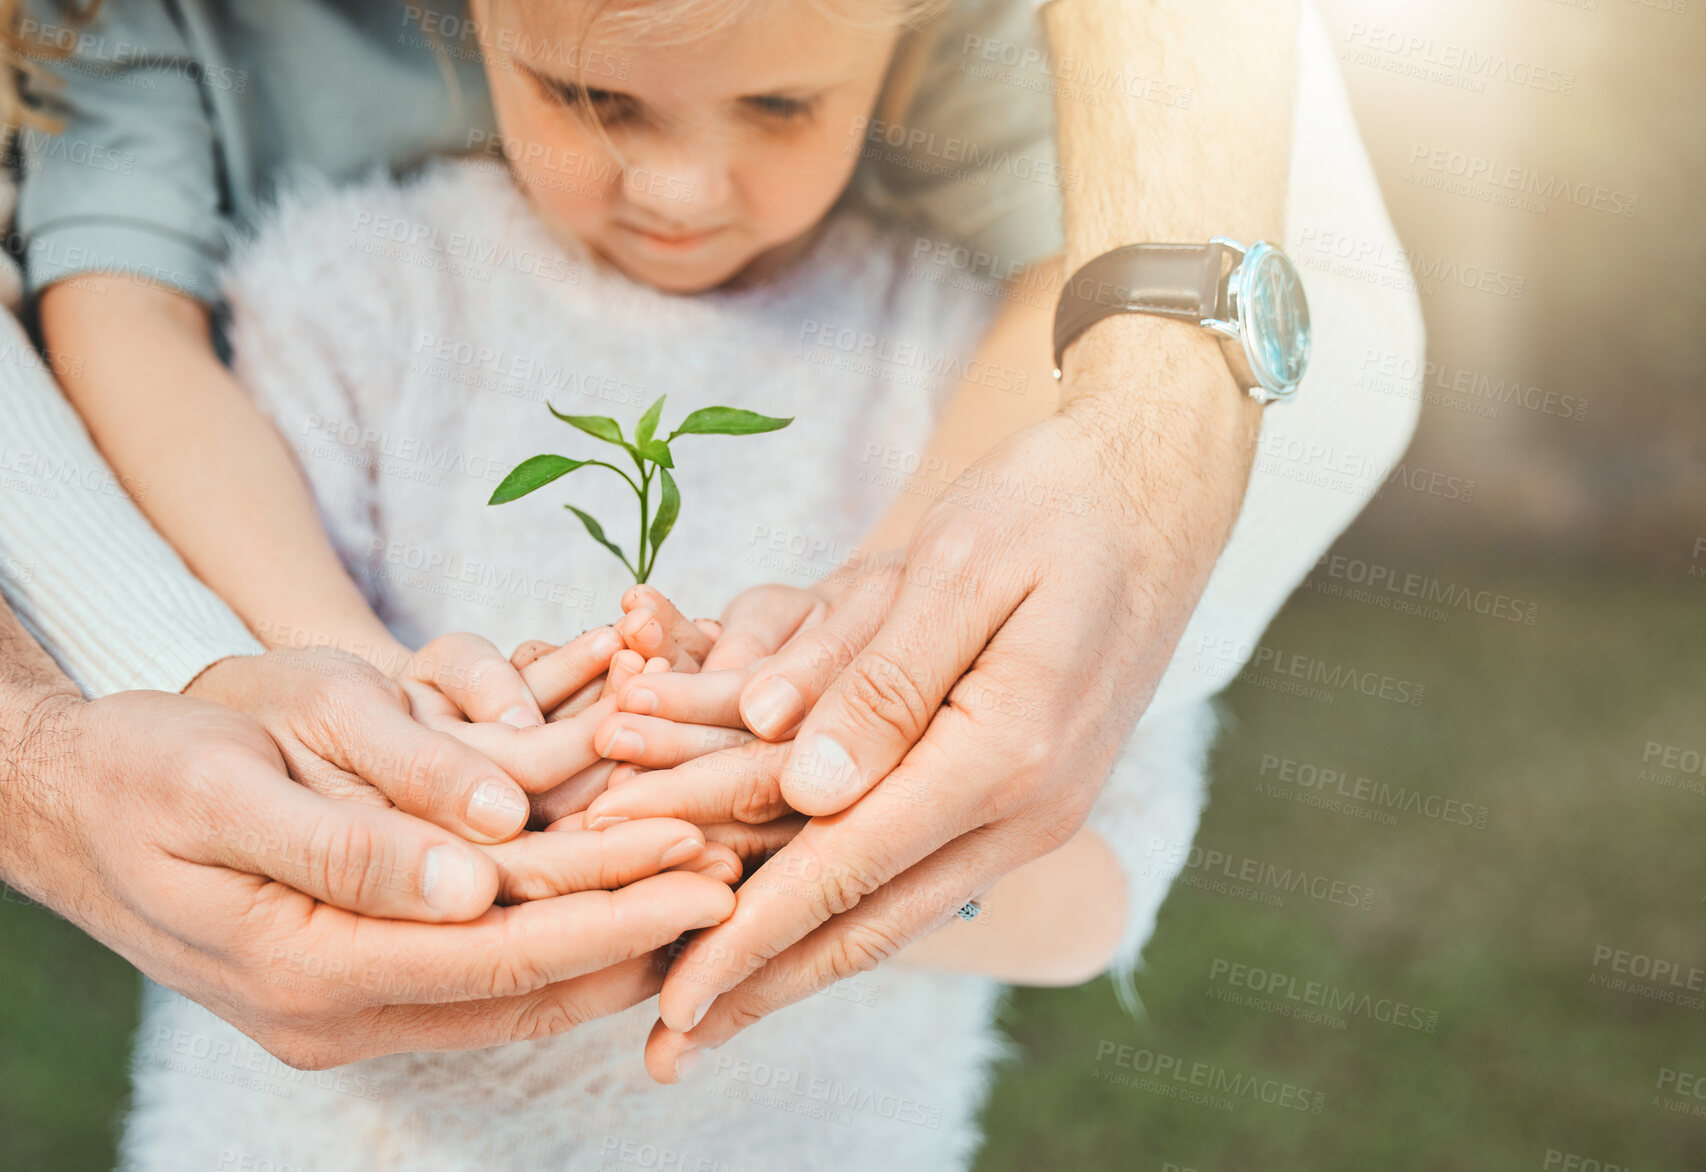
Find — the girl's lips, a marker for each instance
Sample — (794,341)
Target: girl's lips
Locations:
(671,242)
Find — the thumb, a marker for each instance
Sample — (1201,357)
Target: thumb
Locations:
(367,859)
(784,687)
(478,679)
(882,702)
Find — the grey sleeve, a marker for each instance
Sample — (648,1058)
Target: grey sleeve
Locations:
(79,563)
(961,145)
(131,181)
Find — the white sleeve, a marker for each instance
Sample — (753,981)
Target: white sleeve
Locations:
(79,563)
(1321,458)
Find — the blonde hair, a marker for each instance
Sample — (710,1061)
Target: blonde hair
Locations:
(675,21)
(22,58)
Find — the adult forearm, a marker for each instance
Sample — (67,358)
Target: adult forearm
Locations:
(31,687)
(221,484)
(1175,433)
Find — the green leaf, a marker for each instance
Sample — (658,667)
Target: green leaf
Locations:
(657,451)
(669,508)
(598,426)
(597,532)
(532,473)
(648,425)
(728,421)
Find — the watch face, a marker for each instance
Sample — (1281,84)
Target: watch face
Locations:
(1274,319)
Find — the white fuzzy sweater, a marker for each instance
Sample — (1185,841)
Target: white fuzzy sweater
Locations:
(405,339)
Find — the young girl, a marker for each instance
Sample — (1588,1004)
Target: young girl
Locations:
(406,339)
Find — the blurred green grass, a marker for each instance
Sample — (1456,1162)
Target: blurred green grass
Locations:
(1493,929)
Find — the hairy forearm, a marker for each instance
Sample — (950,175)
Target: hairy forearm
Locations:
(222,486)
(1175,433)
(32,688)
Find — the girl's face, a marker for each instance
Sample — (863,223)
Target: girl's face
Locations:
(726,146)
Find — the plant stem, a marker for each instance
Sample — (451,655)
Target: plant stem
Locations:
(645,521)
(618,471)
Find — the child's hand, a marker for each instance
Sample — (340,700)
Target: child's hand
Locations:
(568,858)
(461,685)
(665,720)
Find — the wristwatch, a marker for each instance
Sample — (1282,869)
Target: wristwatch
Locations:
(1251,297)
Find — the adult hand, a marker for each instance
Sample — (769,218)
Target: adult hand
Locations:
(214,873)
(345,731)
(960,711)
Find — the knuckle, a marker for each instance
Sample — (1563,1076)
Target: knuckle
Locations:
(428,774)
(300,1050)
(860,949)
(546,1018)
(841,884)
(349,860)
(886,694)
(748,1011)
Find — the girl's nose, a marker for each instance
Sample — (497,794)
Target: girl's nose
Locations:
(677,185)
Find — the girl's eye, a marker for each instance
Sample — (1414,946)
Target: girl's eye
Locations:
(779,108)
(610,107)
(607,106)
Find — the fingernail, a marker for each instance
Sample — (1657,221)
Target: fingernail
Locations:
(520,716)
(722,869)
(605,822)
(626,743)
(447,878)
(687,848)
(699,1013)
(687,1062)
(772,708)
(827,770)
(497,808)
(642,701)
